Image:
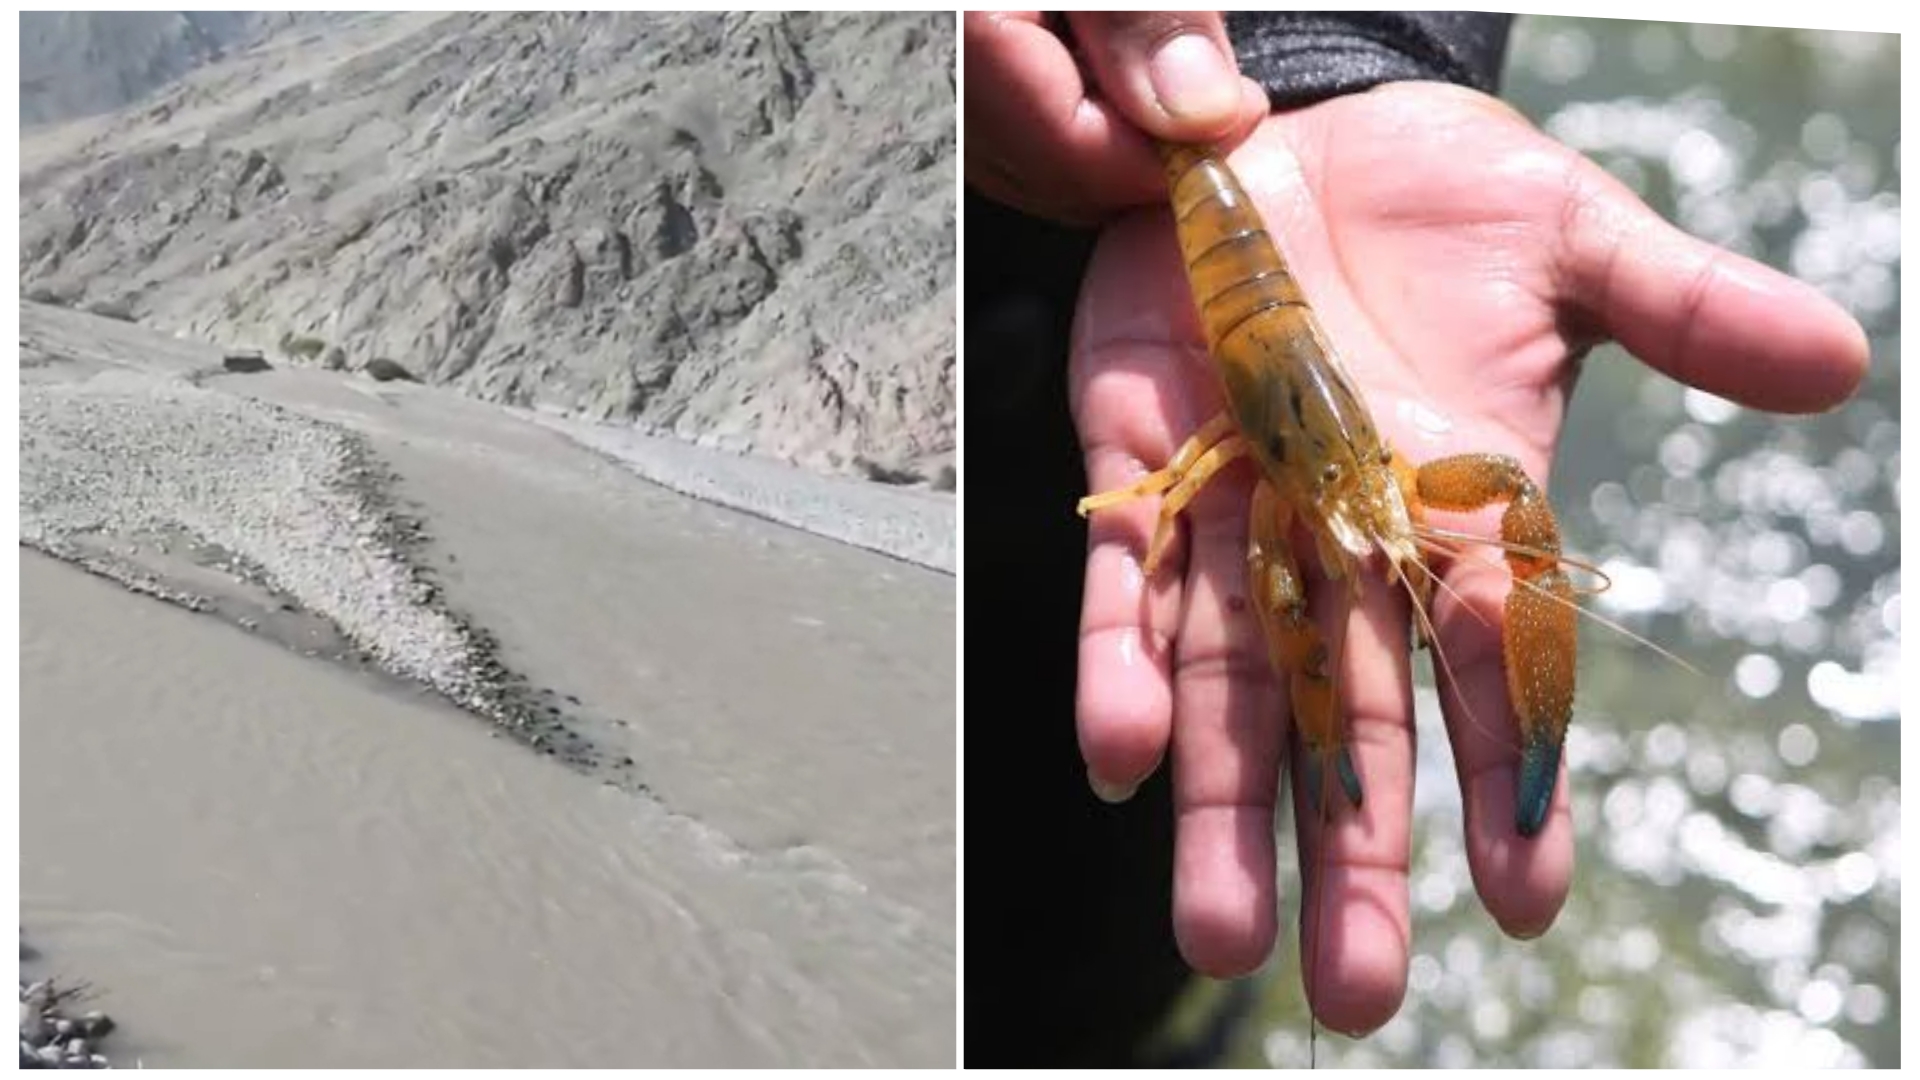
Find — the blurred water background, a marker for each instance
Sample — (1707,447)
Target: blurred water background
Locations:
(1737,896)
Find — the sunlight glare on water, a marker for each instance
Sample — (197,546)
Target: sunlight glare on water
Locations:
(1737,895)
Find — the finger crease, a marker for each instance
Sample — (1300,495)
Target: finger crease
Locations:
(1234,665)
(1158,642)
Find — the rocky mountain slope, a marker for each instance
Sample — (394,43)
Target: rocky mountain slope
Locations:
(734,228)
(77,63)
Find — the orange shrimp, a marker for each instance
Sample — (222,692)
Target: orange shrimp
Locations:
(1293,409)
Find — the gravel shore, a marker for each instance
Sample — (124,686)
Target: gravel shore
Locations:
(279,521)
(54,1033)
(126,461)
(910,524)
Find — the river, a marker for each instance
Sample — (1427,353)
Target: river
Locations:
(260,857)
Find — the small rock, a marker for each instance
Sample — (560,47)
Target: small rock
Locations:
(33,1025)
(63,1027)
(77,1048)
(96,1024)
(382,369)
(245,363)
(49,1054)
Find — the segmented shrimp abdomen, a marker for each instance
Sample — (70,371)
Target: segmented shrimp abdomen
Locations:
(1233,265)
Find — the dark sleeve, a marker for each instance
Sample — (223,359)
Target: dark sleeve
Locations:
(1306,56)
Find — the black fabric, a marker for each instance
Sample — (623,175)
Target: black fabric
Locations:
(1307,56)
(1069,948)
(1070,952)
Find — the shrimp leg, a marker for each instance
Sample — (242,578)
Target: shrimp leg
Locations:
(1294,643)
(1209,450)
(1541,632)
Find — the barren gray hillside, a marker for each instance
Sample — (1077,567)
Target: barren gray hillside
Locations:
(77,63)
(734,228)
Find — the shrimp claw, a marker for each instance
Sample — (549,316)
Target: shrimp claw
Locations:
(1541,631)
(1294,644)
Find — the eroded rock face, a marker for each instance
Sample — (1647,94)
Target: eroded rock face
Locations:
(736,228)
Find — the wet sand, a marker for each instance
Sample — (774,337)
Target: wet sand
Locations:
(266,858)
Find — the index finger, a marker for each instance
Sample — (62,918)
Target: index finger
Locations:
(1029,114)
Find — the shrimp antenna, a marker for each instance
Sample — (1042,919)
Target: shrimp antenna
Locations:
(1451,552)
(1428,533)
(1316,889)
(1433,639)
(1606,582)
(1612,625)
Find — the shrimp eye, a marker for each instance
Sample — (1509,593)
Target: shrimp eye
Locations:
(1331,473)
(1386,455)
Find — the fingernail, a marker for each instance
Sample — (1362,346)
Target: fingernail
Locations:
(1111,793)
(1363,1033)
(1193,82)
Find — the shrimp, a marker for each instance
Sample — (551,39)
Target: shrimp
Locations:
(1293,410)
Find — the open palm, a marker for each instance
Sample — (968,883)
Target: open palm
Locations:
(1460,261)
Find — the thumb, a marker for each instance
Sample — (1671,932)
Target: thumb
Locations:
(1712,319)
(1172,73)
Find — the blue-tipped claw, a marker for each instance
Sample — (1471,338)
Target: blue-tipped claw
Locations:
(1342,764)
(1349,779)
(1539,769)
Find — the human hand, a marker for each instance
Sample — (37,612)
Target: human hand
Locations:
(1041,139)
(1460,261)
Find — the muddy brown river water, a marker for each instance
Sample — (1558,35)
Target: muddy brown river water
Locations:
(262,858)
(266,861)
